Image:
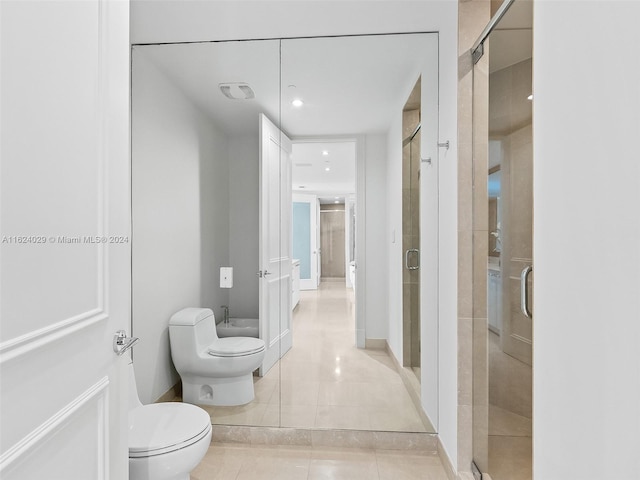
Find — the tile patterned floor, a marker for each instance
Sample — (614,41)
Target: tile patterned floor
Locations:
(259,462)
(324,381)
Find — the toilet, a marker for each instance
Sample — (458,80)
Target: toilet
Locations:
(166,440)
(214,371)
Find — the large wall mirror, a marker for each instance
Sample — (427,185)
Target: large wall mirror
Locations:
(267,186)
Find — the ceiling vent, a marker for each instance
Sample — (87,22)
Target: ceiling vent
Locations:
(237,91)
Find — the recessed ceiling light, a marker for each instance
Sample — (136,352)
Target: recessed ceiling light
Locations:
(297,102)
(337,201)
(325,152)
(327,169)
(530,97)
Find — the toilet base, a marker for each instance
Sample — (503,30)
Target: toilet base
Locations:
(223,392)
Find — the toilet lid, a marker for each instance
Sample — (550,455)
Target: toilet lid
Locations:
(164,427)
(235,346)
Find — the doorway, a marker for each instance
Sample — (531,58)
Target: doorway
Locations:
(332,241)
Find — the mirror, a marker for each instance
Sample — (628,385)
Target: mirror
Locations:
(215,129)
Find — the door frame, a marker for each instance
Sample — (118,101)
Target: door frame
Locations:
(313,282)
(360,237)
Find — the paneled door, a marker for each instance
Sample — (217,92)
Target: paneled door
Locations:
(275,242)
(65,276)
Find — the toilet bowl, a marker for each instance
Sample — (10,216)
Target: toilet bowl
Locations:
(214,371)
(166,440)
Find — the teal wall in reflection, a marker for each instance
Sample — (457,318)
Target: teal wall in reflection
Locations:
(302,237)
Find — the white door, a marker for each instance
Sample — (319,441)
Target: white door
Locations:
(275,239)
(305,239)
(64,189)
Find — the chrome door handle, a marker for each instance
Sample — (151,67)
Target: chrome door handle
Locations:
(524,291)
(406,259)
(122,343)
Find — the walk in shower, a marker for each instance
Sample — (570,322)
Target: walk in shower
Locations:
(411,230)
(503,205)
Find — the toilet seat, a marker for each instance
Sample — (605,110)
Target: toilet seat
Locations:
(160,428)
(235,347)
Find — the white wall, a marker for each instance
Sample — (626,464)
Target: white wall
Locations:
(180,218)
(376,299)
(393,235)
(586,414)
(166,21)
(243,225)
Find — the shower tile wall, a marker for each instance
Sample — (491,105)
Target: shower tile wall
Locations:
(411,238)
(473,16)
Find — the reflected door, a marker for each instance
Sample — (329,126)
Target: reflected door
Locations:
(275,234)
(305,245)
(332,236)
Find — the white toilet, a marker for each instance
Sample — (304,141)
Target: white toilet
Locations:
(214,371)
(166,440)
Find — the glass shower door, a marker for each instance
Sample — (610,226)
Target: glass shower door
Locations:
(411,127)
(503,193)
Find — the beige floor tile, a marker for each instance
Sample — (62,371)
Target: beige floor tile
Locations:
(400,420)
(259,462)
(339,417)
(275,464)
(299,392)
(250,414)
(264,389)
(345,464)
(290,416)
(398,465)
(510,458)
(217,466)
(324,381)
(344,393)
(505,423)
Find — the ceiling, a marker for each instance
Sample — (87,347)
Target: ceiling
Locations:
(349,85)
(331,175)
(510,65)
(511,41)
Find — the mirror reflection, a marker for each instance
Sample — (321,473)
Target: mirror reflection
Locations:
(260,190)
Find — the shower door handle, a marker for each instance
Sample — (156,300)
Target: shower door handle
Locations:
(406,259)
(524,291)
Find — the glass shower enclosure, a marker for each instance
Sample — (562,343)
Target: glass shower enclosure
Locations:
(503,200)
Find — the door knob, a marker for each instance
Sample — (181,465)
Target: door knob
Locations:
(122,343)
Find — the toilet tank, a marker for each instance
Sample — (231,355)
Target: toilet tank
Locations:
(190,331)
